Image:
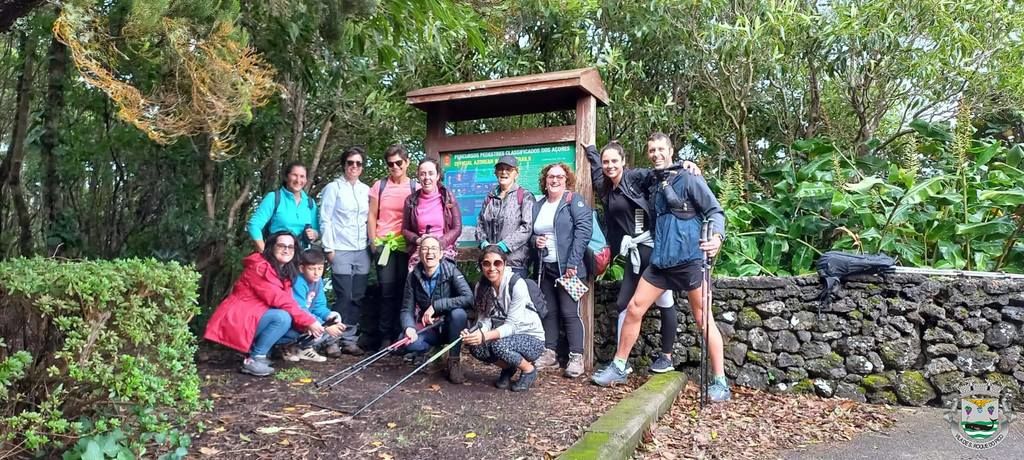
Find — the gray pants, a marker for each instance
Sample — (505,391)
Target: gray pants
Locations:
(349,276)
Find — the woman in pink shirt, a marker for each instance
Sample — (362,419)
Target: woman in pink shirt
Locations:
(432,210)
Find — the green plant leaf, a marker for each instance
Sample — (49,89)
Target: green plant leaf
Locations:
(864,185)
(1003,197)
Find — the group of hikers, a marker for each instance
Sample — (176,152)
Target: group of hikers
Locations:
(408,229)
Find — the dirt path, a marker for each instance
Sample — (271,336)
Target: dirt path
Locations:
(425,417)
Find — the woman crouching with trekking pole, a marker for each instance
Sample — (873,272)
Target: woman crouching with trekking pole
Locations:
(510,334)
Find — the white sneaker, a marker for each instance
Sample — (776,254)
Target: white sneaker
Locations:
(291,353)
(309,354)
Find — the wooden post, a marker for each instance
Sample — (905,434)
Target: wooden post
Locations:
(586,122)
(437,120)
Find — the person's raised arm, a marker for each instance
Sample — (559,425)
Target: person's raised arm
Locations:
(260,217)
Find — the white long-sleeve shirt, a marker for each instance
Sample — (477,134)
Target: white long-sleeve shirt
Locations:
(344,211)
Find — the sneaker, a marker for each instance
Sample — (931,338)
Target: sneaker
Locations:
(662,365)
(455,374)
(291,353)
(526,379)
(719,390)
(610,376)
(575,366)
(352,349)
(309,354)
(548,359)
(504,381)
(333,351)
(258,366)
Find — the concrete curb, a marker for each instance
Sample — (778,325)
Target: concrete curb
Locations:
(618,432)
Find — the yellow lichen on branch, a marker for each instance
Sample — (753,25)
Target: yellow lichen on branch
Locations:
(207,84)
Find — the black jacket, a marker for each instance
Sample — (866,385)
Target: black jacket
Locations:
(452,291)
(635,186)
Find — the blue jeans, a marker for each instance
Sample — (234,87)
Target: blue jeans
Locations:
(274,328)
(454,323)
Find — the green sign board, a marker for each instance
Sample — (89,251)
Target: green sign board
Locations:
(470,176)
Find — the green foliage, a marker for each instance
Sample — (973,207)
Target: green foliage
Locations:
(113,365)
(957,208)
(292,374)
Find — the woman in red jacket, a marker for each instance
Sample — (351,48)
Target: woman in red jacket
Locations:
(261,312)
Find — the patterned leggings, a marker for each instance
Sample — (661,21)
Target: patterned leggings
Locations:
(512,349)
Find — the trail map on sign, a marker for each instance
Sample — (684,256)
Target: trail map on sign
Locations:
(470,176)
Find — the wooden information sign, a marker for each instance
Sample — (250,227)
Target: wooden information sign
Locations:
(469,159)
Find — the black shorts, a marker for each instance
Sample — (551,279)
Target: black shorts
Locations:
(685,277)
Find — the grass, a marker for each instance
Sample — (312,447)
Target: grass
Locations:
(292,374)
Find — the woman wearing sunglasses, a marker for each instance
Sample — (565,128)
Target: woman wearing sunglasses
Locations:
(384,220)
(509,333)
(343,221)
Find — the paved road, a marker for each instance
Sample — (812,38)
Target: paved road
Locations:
(919,434)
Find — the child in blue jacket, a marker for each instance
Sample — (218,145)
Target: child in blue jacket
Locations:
(308,290)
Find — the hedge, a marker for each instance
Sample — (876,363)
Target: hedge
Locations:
(98,360)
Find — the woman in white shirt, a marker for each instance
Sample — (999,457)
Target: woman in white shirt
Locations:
(345,204)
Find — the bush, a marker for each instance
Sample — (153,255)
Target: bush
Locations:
(99,357)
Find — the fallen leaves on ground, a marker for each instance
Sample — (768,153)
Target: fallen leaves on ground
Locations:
(756,424)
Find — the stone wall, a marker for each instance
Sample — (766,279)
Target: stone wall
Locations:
(898,339)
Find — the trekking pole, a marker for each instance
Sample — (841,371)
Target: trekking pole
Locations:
(407,377)
(705,308)
(354,369)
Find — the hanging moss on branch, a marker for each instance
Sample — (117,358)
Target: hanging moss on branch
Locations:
(210,79)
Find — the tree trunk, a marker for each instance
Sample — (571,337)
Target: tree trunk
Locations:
(325,132)
(10,172)
(814,108)
(50,138)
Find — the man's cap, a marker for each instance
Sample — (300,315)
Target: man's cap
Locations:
(508,160)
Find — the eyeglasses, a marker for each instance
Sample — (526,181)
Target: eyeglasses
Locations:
(358,164)
(496,264)
(556,176)
(430,249)
(285,247)
(396,164)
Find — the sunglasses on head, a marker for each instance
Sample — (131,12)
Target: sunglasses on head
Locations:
(396,164)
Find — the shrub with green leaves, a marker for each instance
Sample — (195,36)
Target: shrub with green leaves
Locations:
(98,359)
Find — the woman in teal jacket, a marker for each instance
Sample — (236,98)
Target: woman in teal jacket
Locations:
(287,208)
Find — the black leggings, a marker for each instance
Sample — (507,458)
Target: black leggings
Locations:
(669,315)
(562,312)
(382,319)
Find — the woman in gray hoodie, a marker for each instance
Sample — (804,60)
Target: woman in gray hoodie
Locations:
(509,333)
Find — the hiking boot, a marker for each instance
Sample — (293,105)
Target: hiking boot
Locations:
(352,349)
(290,353)
(575,366)
(526,379)
(719,391)
(333,351)
(546,360)
(662,365)
(455,374)
(610,376)
(414,358)
(258,366)
(504,381)
(309,354)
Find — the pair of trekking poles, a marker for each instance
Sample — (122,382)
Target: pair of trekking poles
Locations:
(346,373)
